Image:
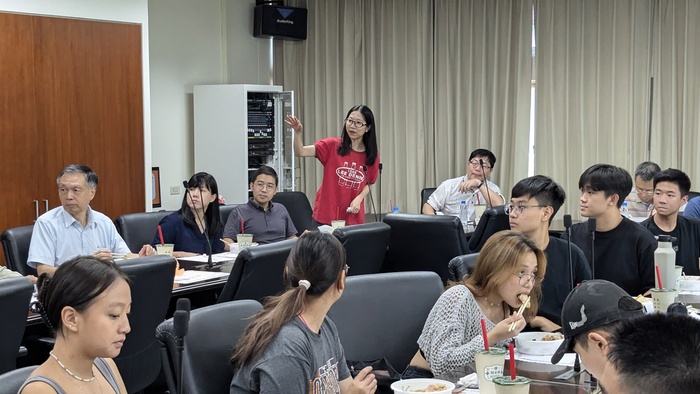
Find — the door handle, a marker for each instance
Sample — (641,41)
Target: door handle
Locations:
(36,209)
(46,206)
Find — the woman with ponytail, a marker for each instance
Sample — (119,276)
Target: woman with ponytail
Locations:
(291,346)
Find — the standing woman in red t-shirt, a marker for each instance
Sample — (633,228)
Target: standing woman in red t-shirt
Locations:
(350,165)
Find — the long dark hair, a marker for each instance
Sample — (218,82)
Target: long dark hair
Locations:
(499,260)
(316,257)
(369,138)
(76,283)
(214,225)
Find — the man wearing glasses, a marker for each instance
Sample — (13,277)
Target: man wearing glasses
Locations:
(475,188)
(640,201)
(267,221)
(533,204)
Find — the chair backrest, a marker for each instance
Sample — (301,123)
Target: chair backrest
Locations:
(423,242)
(213,332)
(692,195)
(492,221)
(461,265)
(138,229)
(225,211)
(15,294)
(299,209)
(10,382)
(257,272)
(424,195)
(15,244)
(382,315)
(365,246)
(151,289)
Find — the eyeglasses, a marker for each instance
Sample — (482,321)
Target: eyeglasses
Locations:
(524,278)
(476,164)
(642,191)
(355,123)
(263,185)
(518,209)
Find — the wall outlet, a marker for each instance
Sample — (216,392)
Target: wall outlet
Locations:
(174,190)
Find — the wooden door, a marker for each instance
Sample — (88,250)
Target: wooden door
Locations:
(71,93)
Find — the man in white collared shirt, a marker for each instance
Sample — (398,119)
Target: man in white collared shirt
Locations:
(74,229)
(471,187)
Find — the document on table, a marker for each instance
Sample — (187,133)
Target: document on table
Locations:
(192,276)
(215,258)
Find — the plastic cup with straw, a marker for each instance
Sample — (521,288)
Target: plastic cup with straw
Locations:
(489,363)
(244,240)
(662,297)
(163,248)
(511,384)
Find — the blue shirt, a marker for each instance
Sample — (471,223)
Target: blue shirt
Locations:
(269,226)
(186,238)
(58,237)
(692,209)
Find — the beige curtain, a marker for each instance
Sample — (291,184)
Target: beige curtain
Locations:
(483,72)
(374,52)
(593,60)
(676,71)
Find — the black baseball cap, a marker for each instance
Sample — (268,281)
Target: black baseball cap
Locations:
(593,304)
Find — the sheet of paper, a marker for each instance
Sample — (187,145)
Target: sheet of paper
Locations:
(192,276)
(216,258)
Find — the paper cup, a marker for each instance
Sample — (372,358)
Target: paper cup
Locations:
(504,385)
(337,223)
(662,298)
(244,240)
(165,249)
(489,365)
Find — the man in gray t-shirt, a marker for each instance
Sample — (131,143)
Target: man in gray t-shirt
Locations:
(267,221)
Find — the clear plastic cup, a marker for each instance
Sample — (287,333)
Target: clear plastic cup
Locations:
(489,365)
(165,249)
(244,240)
(506,385)
(337,223)
(662,298)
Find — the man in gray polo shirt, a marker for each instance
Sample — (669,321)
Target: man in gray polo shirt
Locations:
(267,221)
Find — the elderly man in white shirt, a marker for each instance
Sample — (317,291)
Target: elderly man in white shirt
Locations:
(74,229)
(474,188)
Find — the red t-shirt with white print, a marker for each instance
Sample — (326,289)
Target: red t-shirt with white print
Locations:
(343,179)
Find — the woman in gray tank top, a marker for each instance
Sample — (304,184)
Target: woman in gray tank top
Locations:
(85,304)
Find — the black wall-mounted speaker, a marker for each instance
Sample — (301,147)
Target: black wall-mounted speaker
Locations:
(280,22)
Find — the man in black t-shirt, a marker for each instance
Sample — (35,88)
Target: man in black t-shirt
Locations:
(623,250)
(671,188)
(534,202)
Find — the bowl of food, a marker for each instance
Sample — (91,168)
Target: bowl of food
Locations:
(408,386)
(538,343)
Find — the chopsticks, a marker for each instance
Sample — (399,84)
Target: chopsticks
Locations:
(520,312)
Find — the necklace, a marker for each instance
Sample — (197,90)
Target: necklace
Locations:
(60,364)
(490,305)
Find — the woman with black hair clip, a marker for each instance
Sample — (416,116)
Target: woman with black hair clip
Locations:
(291,346)
(350,165)
(198,215)
(85,304)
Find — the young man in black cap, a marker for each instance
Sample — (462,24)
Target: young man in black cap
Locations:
(591,312)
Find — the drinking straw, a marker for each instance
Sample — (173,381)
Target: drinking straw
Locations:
(160,234)
(512,361)
(391,206)
(242,226)
(658,277)
(483,332)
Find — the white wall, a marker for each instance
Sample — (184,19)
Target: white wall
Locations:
(193,43)
(133,11)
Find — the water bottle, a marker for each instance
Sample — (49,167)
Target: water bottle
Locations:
(463,214)
(665,259)
(624,211)
(395,209)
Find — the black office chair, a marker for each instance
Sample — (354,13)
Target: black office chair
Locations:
(365,246)
(212,334)
(15,294)
(692,195)
(462,265)
(424,195)
(382,315)
(492,221)
(423,243)
(225,211)
(11,381)
(138,229)
(151,289)
(15,244)
(257,272)
(299,209)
